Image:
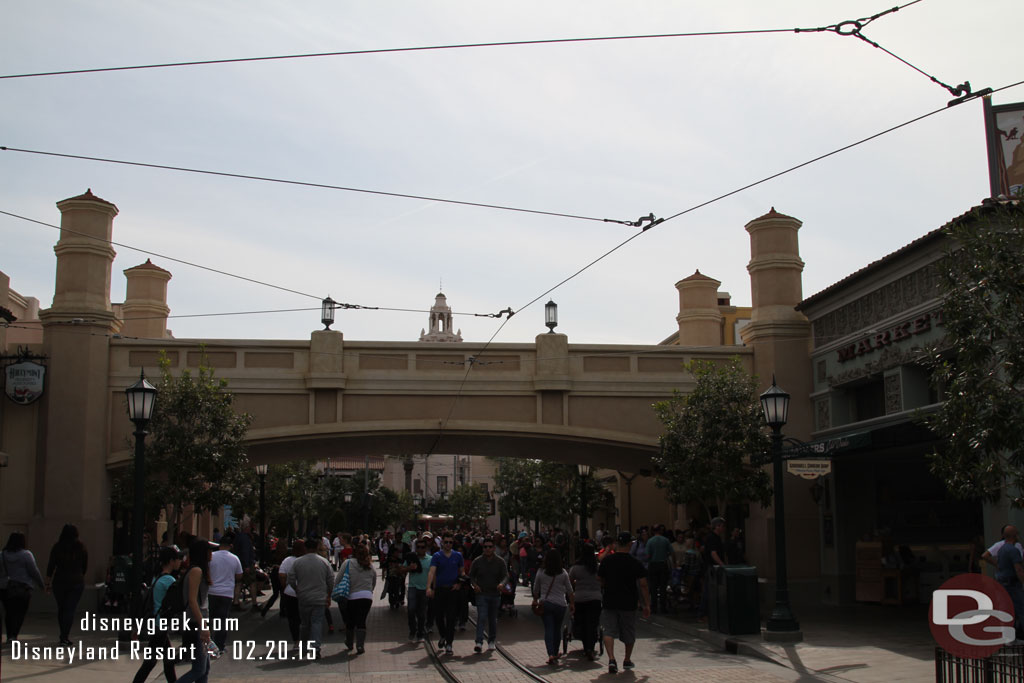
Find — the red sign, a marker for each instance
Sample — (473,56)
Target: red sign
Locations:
(897,333)
(971,615)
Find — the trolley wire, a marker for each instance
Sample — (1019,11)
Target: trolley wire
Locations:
(453,46)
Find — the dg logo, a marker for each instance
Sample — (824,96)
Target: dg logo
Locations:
(971,615)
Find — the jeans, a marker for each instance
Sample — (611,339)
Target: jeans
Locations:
(290,606)
(487,607)
(311,623)
(355,613)
(417,608)
(586,622)
(220,610)
(658,576)
(1016,591)
(67,601)
(158,639)
(553,616)
(201,658)
(15,610)
(446,608)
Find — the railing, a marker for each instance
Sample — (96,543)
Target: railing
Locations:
(1005,666)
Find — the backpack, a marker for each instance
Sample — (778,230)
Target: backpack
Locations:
(174,601)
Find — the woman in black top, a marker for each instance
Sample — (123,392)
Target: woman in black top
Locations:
(65,576)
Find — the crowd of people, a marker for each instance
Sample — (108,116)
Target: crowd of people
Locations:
(602,584)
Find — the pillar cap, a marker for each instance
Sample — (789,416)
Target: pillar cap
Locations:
(697,277)
(148,265)
(88,196)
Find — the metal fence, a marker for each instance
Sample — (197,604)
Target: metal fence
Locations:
(1005,666)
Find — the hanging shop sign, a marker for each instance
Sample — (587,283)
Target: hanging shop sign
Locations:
(24,381)
(809,469)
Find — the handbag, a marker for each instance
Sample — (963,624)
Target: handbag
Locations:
(538,607)
(343,587)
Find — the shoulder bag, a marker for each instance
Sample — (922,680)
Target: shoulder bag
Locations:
(343,587)
(538,607)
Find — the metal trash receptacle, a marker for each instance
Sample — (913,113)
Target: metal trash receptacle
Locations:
(739,610)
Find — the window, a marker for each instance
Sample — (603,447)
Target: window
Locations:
(442,485)
(483,486)
(417,486)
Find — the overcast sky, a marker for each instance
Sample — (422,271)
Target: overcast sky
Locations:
(604,129)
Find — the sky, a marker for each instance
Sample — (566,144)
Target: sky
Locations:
(611,129)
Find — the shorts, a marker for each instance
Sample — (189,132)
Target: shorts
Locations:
(619,623)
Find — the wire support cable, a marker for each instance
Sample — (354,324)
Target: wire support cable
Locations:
(322,186)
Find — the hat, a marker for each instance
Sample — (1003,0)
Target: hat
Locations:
(522,534)
(227,539)
(624,538)
(169,554)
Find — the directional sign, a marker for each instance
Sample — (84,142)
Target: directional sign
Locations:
(809,469)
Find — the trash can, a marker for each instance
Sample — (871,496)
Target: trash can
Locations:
(739,611)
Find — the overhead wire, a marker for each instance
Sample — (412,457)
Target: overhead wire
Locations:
(322,186)
(427,48)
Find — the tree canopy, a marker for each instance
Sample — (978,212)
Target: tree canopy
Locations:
(710,436)
(980,365)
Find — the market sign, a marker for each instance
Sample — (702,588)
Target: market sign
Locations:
(809,469)
(24,382)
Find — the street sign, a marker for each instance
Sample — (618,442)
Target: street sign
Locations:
(809,469)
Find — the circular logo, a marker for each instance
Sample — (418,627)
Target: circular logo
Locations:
(971,615)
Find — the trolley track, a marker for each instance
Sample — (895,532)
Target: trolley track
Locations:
(441,663)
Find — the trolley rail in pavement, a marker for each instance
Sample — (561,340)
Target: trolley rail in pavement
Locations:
(450,676)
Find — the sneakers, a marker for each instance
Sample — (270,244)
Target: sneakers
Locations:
(440,644)
(612,668)
(478,647)
(627,664)
(448,649)
(491,645)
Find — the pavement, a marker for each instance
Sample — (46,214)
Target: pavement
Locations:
(862,644)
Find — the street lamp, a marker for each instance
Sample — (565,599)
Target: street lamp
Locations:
(775,404)
(551,316)
(584,471)
(141,399)
(262,471)
(327,307)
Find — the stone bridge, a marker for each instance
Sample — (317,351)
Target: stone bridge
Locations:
(327,397)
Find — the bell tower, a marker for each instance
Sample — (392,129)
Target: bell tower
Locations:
(440,322)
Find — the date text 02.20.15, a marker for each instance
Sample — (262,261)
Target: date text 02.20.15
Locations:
(272,650)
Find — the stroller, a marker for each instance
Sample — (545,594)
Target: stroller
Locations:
(508,598)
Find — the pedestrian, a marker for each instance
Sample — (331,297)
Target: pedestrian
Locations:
(443,586)
(159,639)
(487,574)
(225,572)
(990,554)
(289,601)
(1010,574)
(713,556)
(552,595)
(659,561)
(243,548)
(323,549)
(196,586)
(587,597)
(607,547)
(624,587)
(417,567)
(362,582)
(312,579)
(65,577)
(336,550)
(639,547)
(273,575)
(20,569)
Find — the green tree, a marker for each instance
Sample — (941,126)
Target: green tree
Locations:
(710,436)
(195,455)
(467,503)
(980,364)
(513,480)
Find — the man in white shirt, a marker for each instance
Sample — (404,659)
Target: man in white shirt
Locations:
(225,570)
(992,553)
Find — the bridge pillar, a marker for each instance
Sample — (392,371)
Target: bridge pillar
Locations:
(781,338)
(700,319)
(551,379)
(72,485)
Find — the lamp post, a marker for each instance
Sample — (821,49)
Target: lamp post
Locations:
(262,471)
(327,307)
(141,399)
(584,471)
(775,404)
(551,316)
